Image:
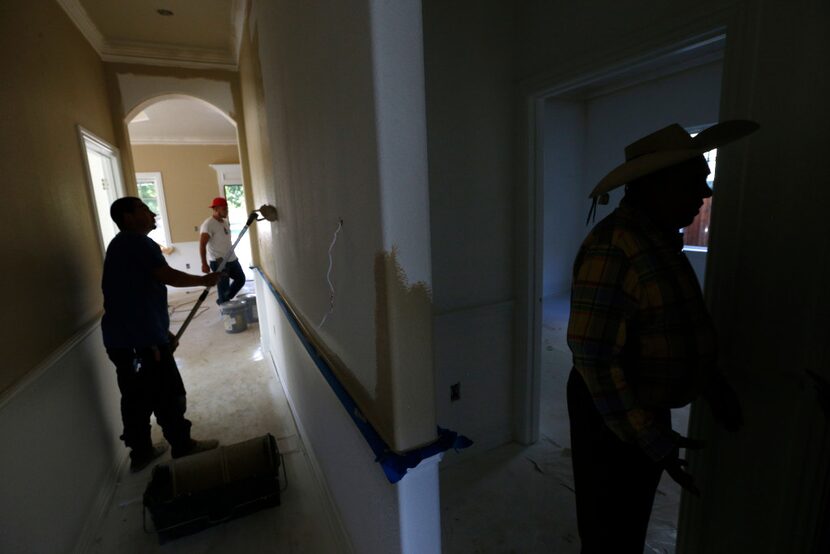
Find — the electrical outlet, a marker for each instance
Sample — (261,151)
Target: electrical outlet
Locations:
(195,228)
(455,392)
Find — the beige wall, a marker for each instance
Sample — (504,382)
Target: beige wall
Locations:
(189,181)
(52,264)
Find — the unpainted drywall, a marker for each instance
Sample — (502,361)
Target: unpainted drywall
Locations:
(333,184)
(188,180)
(53,82)
(469,97)
(139,88)
(563,219)
(469,90)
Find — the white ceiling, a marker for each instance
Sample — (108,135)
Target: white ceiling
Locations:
(181,121)
(200,33)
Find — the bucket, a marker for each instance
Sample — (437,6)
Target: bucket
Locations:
(250,307)
(233,316)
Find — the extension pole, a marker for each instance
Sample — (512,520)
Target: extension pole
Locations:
(251,218)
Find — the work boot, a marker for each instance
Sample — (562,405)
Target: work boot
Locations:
(139,459)
(194,447)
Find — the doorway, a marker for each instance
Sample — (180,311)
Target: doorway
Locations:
(581,129)
(176,141)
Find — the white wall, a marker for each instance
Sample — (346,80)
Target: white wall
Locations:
(584,139)
(467,52)
(473,349)
(565,200)
(690,98)
(343,105)
(347,144)
(59,430)
(375,517)
(137,89)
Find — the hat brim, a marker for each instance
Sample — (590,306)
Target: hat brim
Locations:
(715,136)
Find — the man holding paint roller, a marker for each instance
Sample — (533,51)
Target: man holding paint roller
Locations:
(136,334)
(215,242)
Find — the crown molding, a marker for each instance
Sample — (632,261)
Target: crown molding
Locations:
(146,53)
(80,18)
(239,13)
(182,141)
(153,54)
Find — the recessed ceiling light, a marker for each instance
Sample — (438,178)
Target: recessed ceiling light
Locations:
(162,11)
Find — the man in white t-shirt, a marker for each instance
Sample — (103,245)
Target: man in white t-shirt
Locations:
(214,244)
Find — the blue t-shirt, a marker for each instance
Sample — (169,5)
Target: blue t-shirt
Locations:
(135,302)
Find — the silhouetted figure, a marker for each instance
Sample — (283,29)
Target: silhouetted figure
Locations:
(642,339)
(137,337)
(214,244)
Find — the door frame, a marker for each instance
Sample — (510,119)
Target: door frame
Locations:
(686,49)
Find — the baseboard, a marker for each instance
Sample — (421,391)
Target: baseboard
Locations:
(99,509)
(331,512)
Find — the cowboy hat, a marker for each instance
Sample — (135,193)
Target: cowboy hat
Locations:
(669,146)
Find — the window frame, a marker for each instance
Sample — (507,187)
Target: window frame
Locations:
(165,222)
(90,141)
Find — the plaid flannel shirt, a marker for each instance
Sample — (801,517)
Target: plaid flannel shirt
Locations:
(639,331)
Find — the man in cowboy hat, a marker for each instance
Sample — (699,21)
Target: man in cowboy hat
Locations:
(215,243)
(642,340)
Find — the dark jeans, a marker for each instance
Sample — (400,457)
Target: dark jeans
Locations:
(150,386)
(227,288)
(615,482)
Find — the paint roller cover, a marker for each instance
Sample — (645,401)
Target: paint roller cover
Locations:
(268,212)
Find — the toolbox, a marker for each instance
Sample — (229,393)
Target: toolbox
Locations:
(195,492)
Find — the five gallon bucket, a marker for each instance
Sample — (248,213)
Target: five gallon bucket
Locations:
(250,307)
(233,316)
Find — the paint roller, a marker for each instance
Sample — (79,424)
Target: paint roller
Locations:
(265,212)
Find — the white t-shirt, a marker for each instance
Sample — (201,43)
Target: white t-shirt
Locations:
(220,238)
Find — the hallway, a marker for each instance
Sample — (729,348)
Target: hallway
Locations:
(411,127)
(233,394)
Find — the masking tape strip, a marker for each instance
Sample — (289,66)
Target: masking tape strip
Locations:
(394,465)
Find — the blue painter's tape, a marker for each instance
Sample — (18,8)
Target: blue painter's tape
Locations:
(394,465)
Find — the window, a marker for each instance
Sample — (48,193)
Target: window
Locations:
(696,235)
(229,178)
(104,176)
(151,192)
(235,195)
